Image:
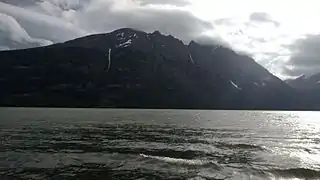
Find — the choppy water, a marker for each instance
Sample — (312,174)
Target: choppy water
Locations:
(158,144)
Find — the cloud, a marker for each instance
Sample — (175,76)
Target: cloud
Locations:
(175,21)
(265,42)
(305,57)
(19,2)
(12,35)
(61,20)
(263,17)
(166,2)
(40,25)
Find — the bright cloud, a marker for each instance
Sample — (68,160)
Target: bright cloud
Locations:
(275,33)
(265,29)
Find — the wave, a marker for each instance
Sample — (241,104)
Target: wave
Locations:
(239,146)
(296,173)
(190,162)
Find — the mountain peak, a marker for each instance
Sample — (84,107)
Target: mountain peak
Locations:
(193,43)
(156,33)
(126,30)
(303,76)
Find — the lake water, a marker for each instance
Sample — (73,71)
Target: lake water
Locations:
(158,144)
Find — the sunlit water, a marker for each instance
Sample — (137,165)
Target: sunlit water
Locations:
(158,144)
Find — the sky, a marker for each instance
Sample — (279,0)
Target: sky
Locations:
(283,36)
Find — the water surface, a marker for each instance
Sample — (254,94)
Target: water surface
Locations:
(43,143)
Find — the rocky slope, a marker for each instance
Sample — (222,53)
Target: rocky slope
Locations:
(129,68)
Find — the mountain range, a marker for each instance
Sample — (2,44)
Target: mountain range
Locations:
(127,68)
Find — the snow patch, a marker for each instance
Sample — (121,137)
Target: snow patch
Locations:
(269,78)
(191,59)
(302,77)
(109,59)
(21,67)
(213,49)
(120,36)
(235,85)
(148,37)
(125,44)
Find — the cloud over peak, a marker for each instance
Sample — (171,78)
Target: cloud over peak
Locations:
(61,20)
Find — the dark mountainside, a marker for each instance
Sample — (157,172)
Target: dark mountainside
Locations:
(133,69)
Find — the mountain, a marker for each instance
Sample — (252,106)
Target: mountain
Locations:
(134,69)
(305,82)
(308,88)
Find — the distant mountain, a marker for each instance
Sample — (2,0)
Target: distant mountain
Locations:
(308,88)
(305,82)
(134,69)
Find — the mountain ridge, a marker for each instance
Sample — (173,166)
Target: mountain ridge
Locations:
(143,70)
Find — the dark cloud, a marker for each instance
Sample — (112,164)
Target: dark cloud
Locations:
(263,17)
(305,57)
(20,2)
(61,20)
(64,4)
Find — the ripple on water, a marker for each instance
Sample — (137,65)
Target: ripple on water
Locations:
(111,150)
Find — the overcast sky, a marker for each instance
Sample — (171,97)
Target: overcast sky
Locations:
(283,36)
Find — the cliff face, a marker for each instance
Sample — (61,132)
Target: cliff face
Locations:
(128,68)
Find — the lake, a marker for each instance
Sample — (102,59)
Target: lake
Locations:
(48,143)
